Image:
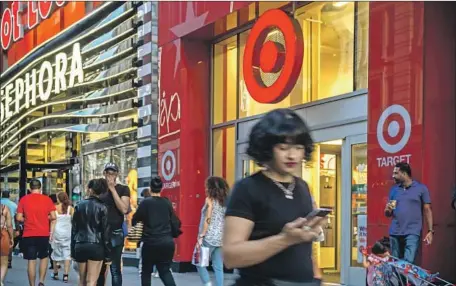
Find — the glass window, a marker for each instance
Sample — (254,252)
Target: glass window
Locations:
(58,148)
(362,45)
(268,5)
(331,66)
(358,202)
(224,80)
(224,153)
(247,105)
(328,33)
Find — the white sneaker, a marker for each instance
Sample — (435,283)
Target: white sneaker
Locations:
(208,284)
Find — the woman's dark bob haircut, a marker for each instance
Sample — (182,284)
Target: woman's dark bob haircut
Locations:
(156,185)
(278,126)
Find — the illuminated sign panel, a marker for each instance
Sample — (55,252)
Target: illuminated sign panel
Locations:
(48,79)
(11,27)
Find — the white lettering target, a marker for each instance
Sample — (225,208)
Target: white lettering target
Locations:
(394,128)
(168,165)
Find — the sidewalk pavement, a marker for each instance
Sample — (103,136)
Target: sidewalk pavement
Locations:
(17,276)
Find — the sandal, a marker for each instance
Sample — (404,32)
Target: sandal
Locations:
(65,278)
(55,276)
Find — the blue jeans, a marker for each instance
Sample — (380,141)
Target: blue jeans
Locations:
(217,265)
(405,246)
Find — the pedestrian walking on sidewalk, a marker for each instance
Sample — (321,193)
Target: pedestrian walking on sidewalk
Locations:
(37,211)
(408,202)
(117,200)
(158,218)
(90,234)
(6,201)
(210,232)
(6,239)
(61,238)
(266,234)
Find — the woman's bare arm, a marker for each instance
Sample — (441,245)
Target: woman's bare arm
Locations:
(208,216)
(9,224)
(239,252)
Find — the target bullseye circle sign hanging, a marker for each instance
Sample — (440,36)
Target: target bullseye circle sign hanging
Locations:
(265,56)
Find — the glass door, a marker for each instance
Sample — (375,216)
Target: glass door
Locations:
(354,208)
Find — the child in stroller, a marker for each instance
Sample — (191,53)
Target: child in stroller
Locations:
(386,270)
(379,273)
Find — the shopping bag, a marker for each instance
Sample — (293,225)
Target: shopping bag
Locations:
(201,256)
(135,233)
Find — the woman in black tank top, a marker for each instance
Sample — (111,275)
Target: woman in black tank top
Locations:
(266,234)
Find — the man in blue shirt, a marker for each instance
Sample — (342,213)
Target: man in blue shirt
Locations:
(409,200)
(5,200)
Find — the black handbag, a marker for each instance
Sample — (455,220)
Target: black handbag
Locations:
(174,222)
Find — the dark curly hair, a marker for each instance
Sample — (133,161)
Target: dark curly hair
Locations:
(278,126)
(217,188)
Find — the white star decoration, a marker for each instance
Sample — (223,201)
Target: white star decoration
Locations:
(191,23)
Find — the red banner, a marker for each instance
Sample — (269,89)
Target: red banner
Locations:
(395,123)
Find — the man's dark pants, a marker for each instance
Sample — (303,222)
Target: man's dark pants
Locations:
(405,246)
(116,271)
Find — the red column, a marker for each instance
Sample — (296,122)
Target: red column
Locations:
(412,115)
(439,134)
(184,133)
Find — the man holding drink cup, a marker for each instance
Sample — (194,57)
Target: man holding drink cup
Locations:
(408,202)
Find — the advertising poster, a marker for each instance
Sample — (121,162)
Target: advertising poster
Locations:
(361,240)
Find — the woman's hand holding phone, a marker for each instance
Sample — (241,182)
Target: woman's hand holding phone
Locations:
(302,230)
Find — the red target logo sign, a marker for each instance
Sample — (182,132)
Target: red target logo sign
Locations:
(265,56)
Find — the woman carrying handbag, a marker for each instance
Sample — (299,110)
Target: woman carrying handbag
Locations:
(160,227)
(210,234)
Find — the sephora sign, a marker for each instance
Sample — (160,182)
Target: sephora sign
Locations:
(41,83)
(12,28)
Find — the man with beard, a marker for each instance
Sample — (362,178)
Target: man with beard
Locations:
(409,200)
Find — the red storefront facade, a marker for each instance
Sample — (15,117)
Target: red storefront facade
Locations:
(408,114)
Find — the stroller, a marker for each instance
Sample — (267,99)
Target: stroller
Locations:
(401,273)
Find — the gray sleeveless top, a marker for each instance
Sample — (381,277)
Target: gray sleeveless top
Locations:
(214,234)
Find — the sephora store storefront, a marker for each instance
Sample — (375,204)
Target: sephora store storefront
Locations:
(76,93)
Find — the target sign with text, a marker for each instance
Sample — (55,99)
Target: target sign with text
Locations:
(263,55)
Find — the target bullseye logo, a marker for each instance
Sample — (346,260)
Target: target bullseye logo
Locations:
(273,57)
(393,128)
(168,165)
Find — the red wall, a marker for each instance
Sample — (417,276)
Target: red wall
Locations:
(185,94)
(439,134)
(195,15)
(412,63)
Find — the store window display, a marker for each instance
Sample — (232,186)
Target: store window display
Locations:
(358,202)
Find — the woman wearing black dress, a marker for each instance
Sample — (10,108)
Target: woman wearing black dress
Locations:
(266,234)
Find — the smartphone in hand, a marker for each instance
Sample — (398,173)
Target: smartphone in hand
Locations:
(319,212)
